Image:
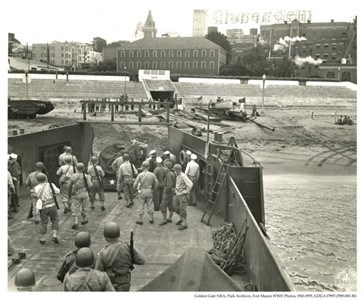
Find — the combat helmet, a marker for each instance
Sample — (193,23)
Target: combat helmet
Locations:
(82,240)
(111,230)
(85,258)
(25,278)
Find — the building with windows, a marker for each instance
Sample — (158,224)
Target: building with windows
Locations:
(199,23)
(69,55)
(332,45)
(180,55)
(327,41)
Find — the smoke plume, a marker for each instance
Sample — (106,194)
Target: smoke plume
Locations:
(286,41)
(299,61)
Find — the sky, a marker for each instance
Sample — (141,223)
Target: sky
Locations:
(41,21)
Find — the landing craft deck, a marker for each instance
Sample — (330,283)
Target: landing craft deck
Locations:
(241,202)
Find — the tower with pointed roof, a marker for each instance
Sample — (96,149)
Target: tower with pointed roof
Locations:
(149,29)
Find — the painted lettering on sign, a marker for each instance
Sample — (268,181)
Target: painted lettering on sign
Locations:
(229,17)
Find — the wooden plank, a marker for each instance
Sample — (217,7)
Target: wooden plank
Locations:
(124,122)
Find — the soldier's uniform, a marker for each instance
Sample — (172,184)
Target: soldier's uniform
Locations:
(49,209)
(167,199)
(68,266)
(115,259)
(183,187)
(193,173)
(79,196)
(159,172)
(97,186)
(145,183)
(65,172)
(127,171)
(88,280)
(31,182)
(115,166)
(61,161)
(15,171)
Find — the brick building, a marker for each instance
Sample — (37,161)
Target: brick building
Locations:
(180,55)
(332,44)
(328,41)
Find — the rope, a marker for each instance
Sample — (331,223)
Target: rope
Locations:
(227,251)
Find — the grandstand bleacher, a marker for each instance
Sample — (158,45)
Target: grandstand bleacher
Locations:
(276,95)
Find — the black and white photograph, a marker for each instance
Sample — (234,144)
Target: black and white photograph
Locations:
(181,149)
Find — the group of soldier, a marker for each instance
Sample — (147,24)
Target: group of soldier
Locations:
(159,184)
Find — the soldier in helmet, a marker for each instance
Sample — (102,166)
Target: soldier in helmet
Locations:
(80,184)
(167,198)
(160,175)
(117,258)
(31,182)
(182,190)
(68,153)
(82,240)
(127,172)
(115,166)
(97,174)
(25,280)
(86,279)
(15,170)
(152,160)
(145,183)
(47,206)
(168,156)
(65,172)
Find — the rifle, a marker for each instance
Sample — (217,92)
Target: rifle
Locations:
(132,249)
(98,177)
(50,184)
(30,214)
(73,164)
(86,185)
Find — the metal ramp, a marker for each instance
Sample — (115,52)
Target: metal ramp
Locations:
(214,194)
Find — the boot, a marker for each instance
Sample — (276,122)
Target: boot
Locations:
(183,225)
(54,237)
(151,220)
(140,220)
(43,239)
(169,220)
(164,221)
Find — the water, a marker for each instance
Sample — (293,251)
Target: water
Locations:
(312,224)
